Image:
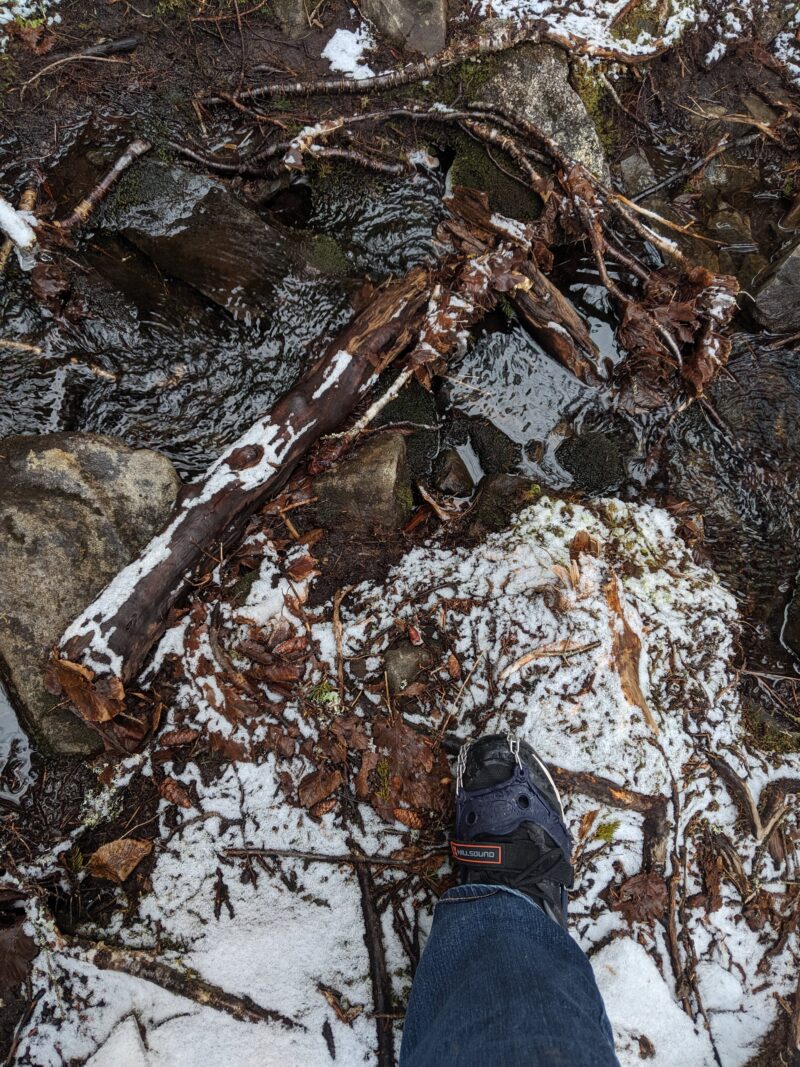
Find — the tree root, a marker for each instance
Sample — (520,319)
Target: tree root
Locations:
(141,964)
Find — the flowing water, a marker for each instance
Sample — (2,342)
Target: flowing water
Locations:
(145,357)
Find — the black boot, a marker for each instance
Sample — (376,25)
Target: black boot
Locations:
(510,823)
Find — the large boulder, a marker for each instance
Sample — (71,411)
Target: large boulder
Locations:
(777,301)
(74,510)
(532,81)
(370,491)
(418,25)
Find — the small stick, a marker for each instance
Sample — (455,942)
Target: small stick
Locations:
(98,53)
(322,857)
(86,208)
(337,631)
(379,973)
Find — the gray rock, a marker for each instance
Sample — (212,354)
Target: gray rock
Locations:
(637,172)
(594,461)
(403,664)
(74,509)
(369,492)
(777,301)
(418,25)
(291,16)
(195,229)
(532,82)
(450,474)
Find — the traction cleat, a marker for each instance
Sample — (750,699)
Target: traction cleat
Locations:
(510,826)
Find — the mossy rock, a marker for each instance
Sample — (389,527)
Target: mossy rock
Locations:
(500,498)
(594,460)
(473,168)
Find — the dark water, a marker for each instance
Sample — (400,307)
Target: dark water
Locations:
(151,361)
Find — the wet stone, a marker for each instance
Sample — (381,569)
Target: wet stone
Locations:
(416,25)
(532,81)
(193,228)
(450,474)
(594,461)
(404,663)
(777,301)
(500,497)
(74,510)
(370,491)
(637,172)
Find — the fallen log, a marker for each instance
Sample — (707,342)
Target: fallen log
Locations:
(106,646)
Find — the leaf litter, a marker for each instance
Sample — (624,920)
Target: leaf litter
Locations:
(688,917)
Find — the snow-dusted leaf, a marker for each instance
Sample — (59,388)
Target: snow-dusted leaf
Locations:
(17,949)
(117,860)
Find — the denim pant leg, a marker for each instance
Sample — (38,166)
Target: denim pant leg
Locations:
(502,985)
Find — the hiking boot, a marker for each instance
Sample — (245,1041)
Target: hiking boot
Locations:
(510,823)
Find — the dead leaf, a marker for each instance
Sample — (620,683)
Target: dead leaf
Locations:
(587,822)
(17,949)
(453,667)
(642,898)
(175,793)
(317,786)
(118,859)
(369,761)
(345,1014)
(316,811)
(584,544)
(626,651)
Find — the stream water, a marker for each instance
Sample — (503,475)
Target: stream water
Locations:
(151,361)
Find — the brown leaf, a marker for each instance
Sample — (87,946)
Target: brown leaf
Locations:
(584,544)
(642,898)
(337,1002)
(175,793)
(626,650)
(118,859)
(97,702)
(301,569)
(453,667)
(586,824)
(369,761)
(317,785)
(17,949)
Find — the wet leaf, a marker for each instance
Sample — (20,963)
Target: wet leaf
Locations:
(316,811)
(345,1011)
(587,822)
(369,761)
(17,949)
(409,817)
(642,898)
(118,859)
(453,667)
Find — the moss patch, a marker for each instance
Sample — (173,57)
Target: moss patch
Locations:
(473,168)
(598,104)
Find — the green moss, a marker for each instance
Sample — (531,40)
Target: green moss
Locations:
(764,731)
(598,104)
(605,831)
(647,17)
(383,772)
(473,168)
(324,253)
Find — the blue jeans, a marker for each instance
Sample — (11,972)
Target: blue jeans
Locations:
(502,985)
